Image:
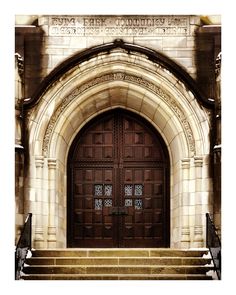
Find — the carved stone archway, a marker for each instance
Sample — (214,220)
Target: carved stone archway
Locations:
(127,79)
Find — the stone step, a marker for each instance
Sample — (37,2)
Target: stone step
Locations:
(117,277)
(118,261)
(118,264)
(120,252)
(111,269)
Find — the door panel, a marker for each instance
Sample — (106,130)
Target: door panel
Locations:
(92,198)
(118,178)
(145,204)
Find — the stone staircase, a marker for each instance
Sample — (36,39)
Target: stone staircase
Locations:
(117,264)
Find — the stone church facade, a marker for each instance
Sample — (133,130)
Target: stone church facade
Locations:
(117,129)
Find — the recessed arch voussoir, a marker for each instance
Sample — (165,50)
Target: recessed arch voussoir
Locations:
(105,97)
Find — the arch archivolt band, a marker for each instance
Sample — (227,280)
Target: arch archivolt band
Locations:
(120,76)
(152,84)
(131,81)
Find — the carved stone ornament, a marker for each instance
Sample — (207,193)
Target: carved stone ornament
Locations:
(119,76)
(19,69)
(116,26)
(19,63)
(218,81)
(218,64)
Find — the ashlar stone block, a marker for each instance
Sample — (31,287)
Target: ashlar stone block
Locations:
(173,42)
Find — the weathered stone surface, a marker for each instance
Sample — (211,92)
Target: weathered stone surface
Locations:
(117,264)
(117,79)
(150,25)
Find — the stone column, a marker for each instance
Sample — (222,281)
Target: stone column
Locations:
(217,147)
(19,149)
(52,237)
(199,215)
(39,233)
(19,70)
(185,231)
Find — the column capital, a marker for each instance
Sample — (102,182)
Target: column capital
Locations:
(198,161)
(185,163)
(39,160)
(52,163)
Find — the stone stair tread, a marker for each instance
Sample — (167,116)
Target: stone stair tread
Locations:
(120,252)
(120,249)
(118,264)
(109,257)
(117,260)
(123,261)
(111,269)
(118,276)
(100,249)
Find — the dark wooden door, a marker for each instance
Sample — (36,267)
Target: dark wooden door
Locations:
(118,184)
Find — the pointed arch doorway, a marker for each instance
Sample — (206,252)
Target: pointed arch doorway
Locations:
(118,184)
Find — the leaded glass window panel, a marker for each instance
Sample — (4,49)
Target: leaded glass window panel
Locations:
(138,189)
(98,190)
(108,202)
(138,204)
(128,202)
(108,190)
(98,204)
(128,190)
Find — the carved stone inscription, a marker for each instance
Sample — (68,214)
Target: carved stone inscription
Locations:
(118,25)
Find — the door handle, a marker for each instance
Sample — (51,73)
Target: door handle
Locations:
(118,211)
(114,211)
(123,211)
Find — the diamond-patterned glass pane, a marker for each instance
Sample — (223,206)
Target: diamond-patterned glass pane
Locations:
(138,190)
(128,190)
(138,204)
(128,202)
(98,189)
(98,204)
(108,202)
(108,189)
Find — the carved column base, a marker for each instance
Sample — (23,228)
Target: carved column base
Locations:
(52,239)
(52,244)
(39,239)
(18,231)
(198,237)
(185,237)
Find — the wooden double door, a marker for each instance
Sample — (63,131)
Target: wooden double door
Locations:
(118,184)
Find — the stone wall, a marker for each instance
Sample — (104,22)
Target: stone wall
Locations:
(53,39)
(104,82)
(171,35)
(109,80)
